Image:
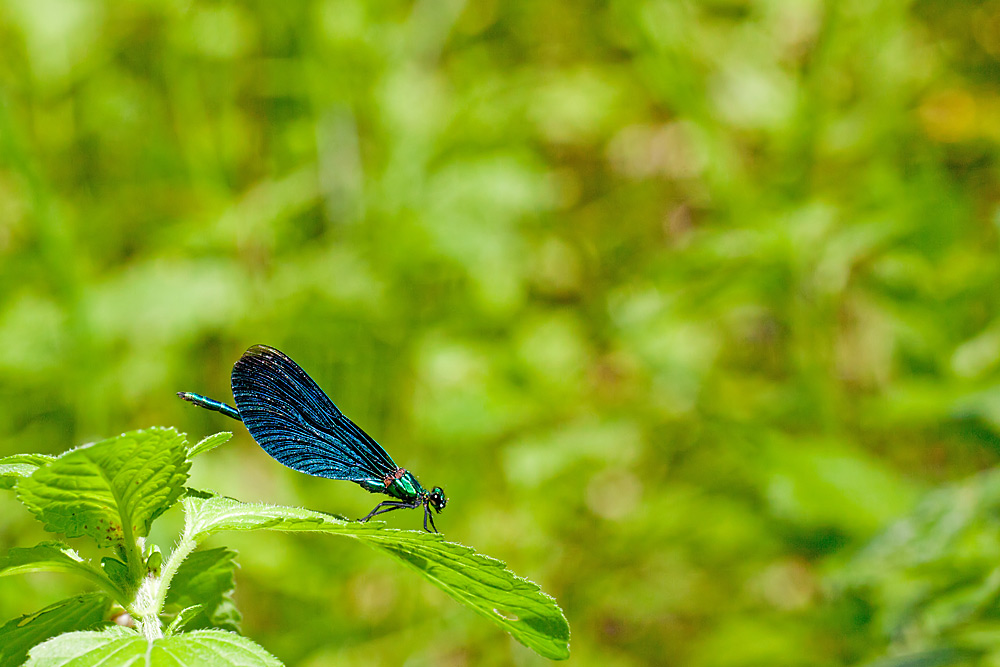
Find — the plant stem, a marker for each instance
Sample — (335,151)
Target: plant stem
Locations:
(134,547)
(152,594)
(150,628)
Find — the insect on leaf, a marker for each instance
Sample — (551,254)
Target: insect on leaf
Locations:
(479,582)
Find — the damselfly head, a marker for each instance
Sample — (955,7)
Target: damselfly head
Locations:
(437,499)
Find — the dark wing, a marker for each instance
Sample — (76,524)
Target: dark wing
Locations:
(295,422)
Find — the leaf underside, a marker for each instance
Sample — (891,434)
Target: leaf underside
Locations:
(52,557)
(43,557)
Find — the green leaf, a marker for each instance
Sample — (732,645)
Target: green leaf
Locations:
(111,490)
(77,613)
(934,571)
(937,657)
(123,646)
(116,571)
(207,578)
(54,557)
(214,514)
(483,584)
(215,647)
(225,616)
(183,619)
(479,582)
(115,645)
(20,465)
(209,443)
(155,559)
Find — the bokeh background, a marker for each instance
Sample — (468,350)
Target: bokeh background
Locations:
(691,307)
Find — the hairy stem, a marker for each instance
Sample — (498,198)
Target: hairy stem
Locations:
(152,594)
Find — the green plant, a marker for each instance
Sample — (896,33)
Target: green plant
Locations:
(181,603)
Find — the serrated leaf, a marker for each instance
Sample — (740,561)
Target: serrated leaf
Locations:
(207,578)
(483,584)
(479,582)
(110,489)
(209,443)
(20,465)
(77,613)
(123,646)
(53,557)
(113,646)
(215,647)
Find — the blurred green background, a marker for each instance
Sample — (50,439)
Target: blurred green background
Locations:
(691,307)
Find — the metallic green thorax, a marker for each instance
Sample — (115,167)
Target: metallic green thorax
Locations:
(406,488)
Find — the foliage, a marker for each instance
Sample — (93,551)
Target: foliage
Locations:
(683,303)
(20,634)
(112,490)
(125,646)
(933,576)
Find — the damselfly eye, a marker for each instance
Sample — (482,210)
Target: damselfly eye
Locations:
(438,499)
